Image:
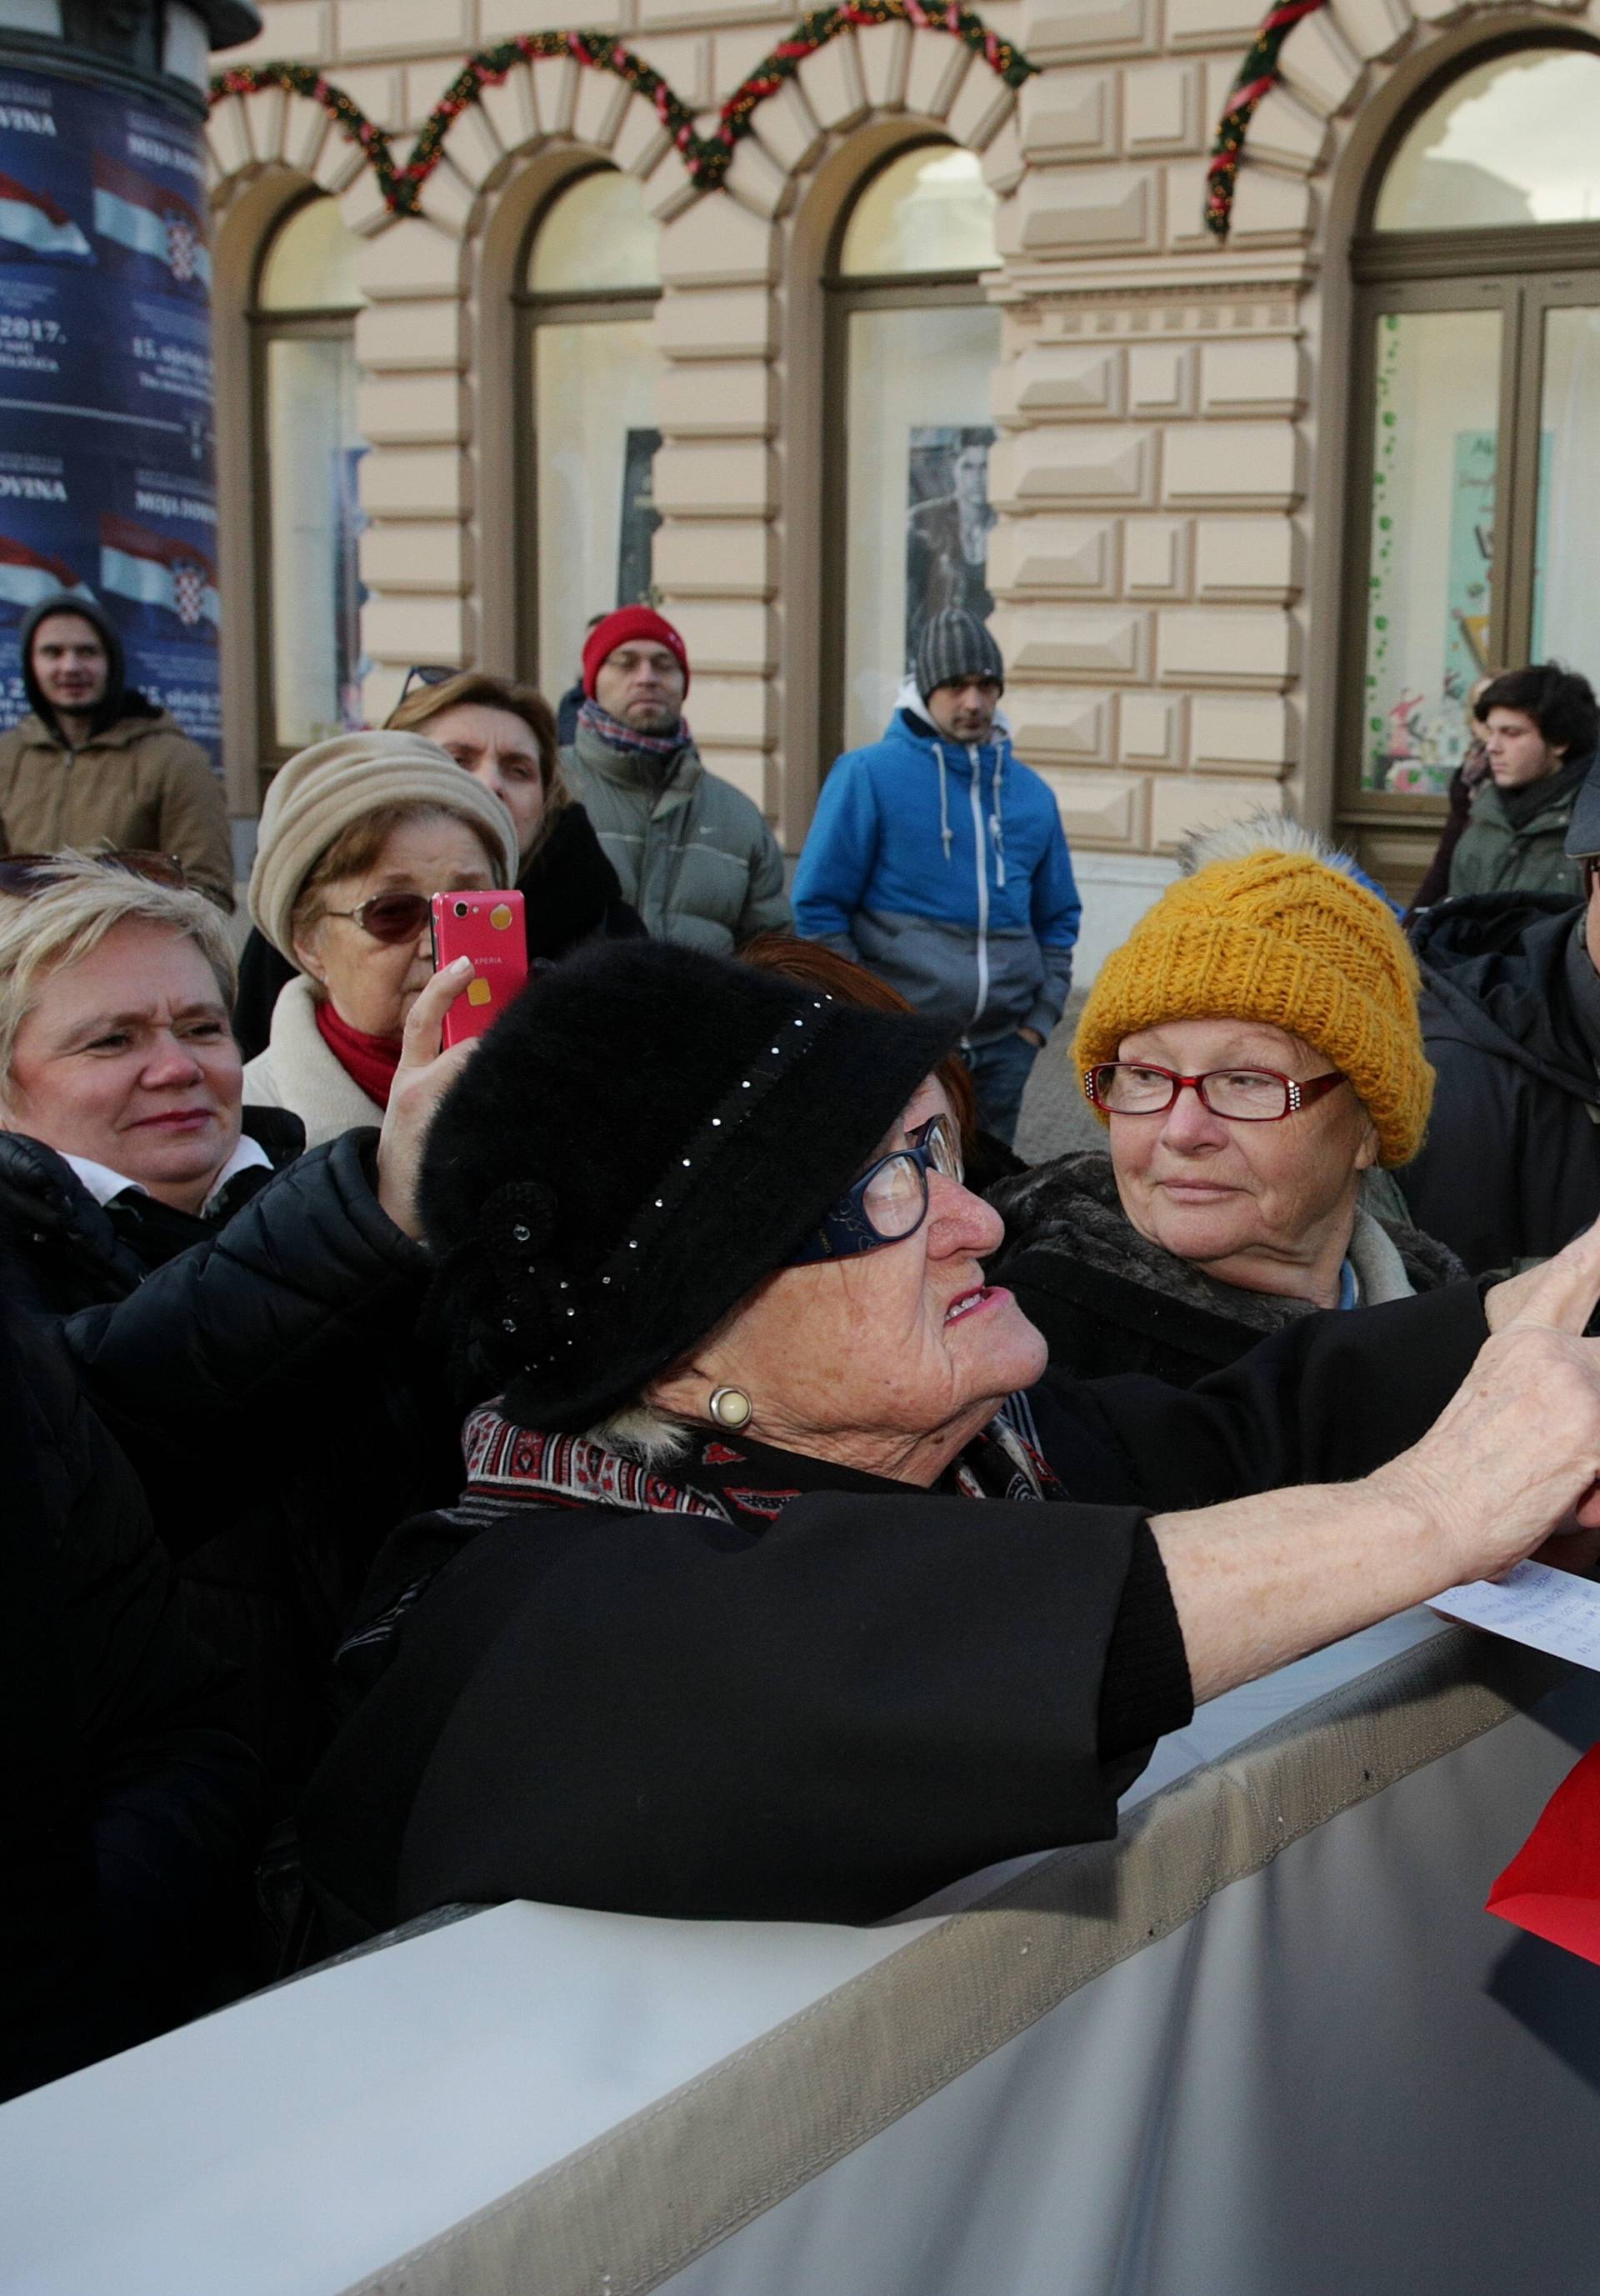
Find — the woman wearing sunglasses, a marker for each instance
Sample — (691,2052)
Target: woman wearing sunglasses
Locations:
(785,1585)
(1253,1050)
(358,834)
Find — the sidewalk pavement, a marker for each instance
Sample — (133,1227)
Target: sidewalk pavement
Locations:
(1055,1116)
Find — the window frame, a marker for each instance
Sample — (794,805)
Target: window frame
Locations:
(844,293)
(311,323)
(1521,271)
(534,309)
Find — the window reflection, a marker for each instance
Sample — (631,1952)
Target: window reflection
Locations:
(594,273)
(1512,142)
(309,452)
(928,210)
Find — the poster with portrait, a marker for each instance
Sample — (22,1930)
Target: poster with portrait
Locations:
(107,483)
(948,521)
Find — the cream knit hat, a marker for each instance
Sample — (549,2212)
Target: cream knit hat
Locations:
(323,790)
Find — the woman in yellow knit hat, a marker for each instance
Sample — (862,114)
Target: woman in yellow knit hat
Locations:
(1252,1049)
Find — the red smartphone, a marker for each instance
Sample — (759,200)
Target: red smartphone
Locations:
(487,927)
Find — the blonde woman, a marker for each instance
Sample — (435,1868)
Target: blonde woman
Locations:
(122,1135)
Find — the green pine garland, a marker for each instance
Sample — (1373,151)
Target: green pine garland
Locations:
(706,158)
(1257,76)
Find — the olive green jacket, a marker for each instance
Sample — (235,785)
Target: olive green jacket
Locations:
(693,855)
(141,786)
(1492,856)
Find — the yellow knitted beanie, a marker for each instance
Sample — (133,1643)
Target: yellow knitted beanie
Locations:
(1283,938)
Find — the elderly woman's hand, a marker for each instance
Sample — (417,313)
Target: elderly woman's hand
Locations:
(425,1074)
(1510,1462)
(1515,1455)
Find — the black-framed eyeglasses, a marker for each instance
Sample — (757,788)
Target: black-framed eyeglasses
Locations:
(1246,1095)
(390,917)
(890,1200)
(427,673)
(31,872)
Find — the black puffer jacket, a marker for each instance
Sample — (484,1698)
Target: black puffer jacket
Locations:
(66,1252)
(1510,1169)
(133,1806)
(268,1387)
(1109,1300)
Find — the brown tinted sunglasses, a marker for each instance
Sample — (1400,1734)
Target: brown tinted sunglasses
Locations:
(31,872)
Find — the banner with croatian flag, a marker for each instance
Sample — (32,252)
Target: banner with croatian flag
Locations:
(31,219)
(150,219)
(107,485)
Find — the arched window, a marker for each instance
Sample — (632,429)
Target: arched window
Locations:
(590,366)
(307,451)
(912,345)
(1476,437)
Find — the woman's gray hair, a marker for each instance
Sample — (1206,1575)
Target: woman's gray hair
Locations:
(77,903)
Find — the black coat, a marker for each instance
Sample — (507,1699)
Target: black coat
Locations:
(827,1718)
(133,1806)
(569,891)
(262,1384)
(1510,1169)
(67,1252)
(1108,1301)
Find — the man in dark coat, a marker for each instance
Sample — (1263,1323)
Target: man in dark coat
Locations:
(1510,1169)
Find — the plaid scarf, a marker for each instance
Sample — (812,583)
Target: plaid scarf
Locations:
(611,730)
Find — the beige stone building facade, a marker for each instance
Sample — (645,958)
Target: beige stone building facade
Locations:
(1192,447)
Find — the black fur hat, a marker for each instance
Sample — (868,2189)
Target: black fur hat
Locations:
(644,1136)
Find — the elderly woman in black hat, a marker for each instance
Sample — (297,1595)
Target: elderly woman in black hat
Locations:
(781,1588)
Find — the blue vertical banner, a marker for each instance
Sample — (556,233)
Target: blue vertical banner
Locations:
(107,455)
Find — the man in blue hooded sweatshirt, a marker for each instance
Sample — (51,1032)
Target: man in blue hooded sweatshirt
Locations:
(937,860)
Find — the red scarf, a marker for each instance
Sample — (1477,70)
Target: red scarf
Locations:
(370,1061)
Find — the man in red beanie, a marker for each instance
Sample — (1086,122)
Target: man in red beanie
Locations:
(694,856)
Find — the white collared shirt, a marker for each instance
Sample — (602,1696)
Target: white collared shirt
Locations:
(102,1183)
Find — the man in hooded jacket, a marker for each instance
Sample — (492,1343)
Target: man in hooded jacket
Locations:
(95,764)
(1510,1011)
(937,860)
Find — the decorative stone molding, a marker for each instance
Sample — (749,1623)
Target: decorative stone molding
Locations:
(820,51)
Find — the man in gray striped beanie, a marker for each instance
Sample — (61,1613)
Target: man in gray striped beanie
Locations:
(960,674)
(936,858)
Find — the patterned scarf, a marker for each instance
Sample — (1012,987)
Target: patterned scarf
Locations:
(734,1479)
(512,1469)
(612,730)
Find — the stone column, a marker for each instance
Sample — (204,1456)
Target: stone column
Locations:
(1152,467)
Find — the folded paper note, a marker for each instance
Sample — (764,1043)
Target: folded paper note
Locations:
(1551,1610)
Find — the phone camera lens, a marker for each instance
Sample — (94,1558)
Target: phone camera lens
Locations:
(461,908)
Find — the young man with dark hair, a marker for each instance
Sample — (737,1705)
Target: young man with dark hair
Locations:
(1541,729)
(94,762)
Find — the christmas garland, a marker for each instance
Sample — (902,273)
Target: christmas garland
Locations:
(706,158)
(1257,74)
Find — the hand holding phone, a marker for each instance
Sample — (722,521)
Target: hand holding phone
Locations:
(487,927)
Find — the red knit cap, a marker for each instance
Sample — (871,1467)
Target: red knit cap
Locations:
(629,622)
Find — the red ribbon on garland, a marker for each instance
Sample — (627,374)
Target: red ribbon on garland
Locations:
(1257,77)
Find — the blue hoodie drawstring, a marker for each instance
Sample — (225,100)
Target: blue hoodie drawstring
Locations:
(945,831)
(996,820)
